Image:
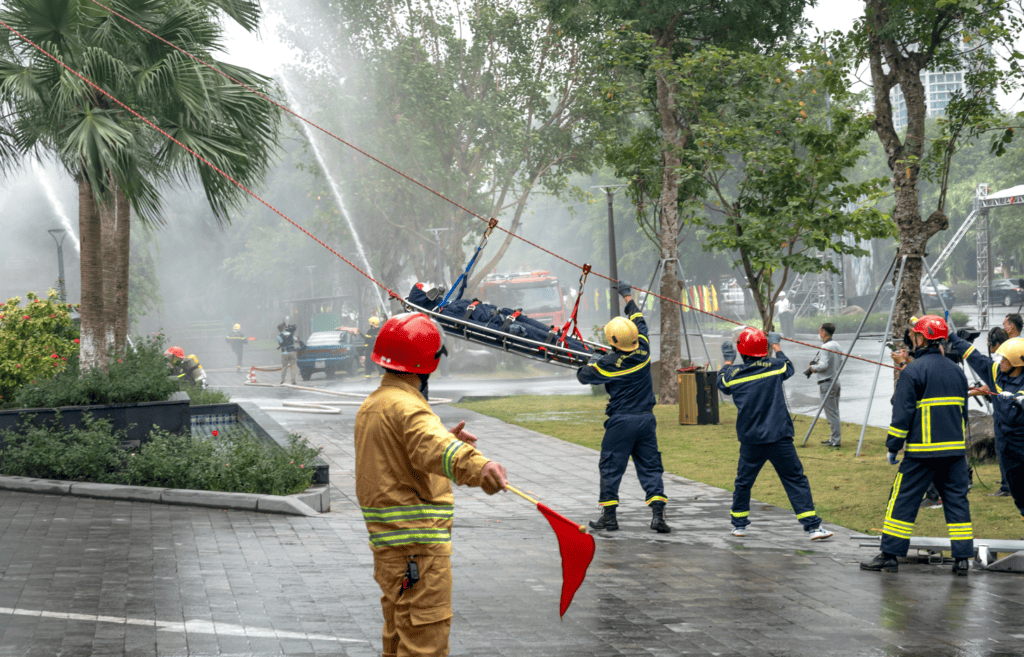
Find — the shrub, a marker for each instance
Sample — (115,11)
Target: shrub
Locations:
(849,323)
(140,375)
(199,396)
(236,461)
(36,341)
(88,453)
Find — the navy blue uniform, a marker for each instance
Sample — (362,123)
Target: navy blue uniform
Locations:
(765,431)
(1007,416)
(630,429)
(929,411)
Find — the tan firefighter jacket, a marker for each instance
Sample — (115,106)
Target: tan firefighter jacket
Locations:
(405,463)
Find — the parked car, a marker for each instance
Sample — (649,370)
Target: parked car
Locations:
(929,298)
(1005,291)
(330,352)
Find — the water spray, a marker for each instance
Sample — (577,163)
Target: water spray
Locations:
(293,102)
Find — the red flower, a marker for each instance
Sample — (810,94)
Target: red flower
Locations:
(54,356)
(52,316)
(25,317)
(77,340)
(302,466)
(18,366)
(214,432)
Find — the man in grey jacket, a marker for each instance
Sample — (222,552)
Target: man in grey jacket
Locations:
(826,365)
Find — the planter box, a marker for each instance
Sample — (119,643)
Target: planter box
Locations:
(174,415)
(209,417)
(136,420)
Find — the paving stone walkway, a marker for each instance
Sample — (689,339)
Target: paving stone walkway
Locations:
(95,577)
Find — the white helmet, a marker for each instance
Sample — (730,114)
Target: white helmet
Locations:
(782,295)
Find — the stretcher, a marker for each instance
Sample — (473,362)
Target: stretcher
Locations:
(547,352)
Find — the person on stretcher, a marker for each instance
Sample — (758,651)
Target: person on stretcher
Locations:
(506,320)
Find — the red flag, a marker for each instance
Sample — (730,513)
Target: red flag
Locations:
(577,548)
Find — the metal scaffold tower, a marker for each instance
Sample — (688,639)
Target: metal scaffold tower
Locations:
(979,218)
(822,292)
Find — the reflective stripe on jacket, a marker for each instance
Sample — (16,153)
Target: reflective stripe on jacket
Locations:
(762,416)
(405,463)
(625,375)
(1007,414)
(929,407)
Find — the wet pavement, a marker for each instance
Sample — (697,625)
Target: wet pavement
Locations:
(81,577)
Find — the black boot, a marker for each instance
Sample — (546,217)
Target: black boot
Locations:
(658,518)
(961,566)
(606,521)
(881,562)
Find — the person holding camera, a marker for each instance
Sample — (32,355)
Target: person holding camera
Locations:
(1004,377)
(929,412)
(287,344)
(826,363)
(764,427)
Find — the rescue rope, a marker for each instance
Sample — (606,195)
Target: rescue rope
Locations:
(391,293)
(575,309)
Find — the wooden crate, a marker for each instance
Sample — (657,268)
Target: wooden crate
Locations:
(687,382)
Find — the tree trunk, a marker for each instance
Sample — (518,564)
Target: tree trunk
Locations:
(93,330)
(669,251)
(111,267)
(122,246)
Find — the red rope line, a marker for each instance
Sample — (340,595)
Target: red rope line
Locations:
(194,154)
(378,161)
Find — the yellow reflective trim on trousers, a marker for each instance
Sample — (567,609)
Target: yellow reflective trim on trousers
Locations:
(899,433)
(409,536)
(657,498)
(806,514)
(756,377)
(935,447)
(892,498)
(609,503)
(744,514)
(625,372)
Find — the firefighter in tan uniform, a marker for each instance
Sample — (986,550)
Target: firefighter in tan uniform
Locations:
(405,463)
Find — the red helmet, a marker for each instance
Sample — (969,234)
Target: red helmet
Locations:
(408,343)
(932,327)
(752,342)
(175,351)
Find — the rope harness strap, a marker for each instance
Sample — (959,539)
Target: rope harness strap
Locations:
(464,276)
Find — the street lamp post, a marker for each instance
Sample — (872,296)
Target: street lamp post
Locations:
(310,268)
(54,232)
(613,261)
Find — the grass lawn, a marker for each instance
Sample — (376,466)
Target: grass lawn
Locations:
(848,491)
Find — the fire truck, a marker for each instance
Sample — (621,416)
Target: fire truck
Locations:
(537,293)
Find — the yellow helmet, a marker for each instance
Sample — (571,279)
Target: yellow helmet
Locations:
(375,321)
(621,334)
(238,326)
(1013,351)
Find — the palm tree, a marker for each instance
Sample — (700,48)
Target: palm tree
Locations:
(120,163)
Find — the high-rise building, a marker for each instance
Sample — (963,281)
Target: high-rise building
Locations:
(938,90)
